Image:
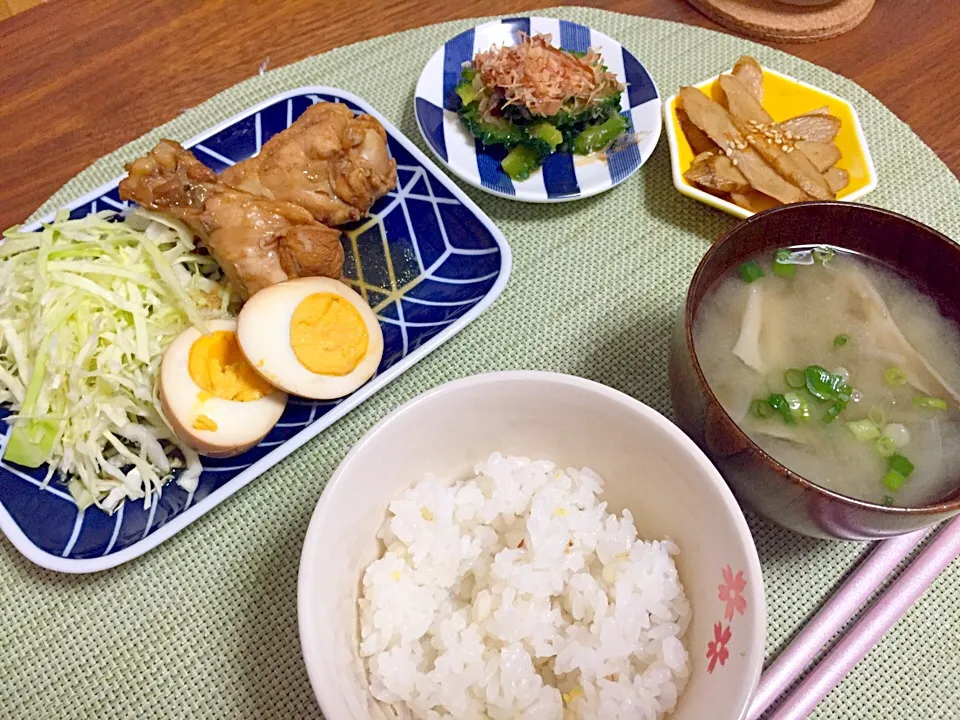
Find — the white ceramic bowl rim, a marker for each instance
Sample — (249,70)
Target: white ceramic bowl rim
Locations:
(325,506)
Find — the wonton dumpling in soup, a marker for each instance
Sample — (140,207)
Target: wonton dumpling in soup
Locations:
(840,369)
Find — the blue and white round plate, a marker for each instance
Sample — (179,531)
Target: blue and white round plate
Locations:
(563,176)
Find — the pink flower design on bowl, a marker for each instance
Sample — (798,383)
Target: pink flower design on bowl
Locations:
(717,648)
(731,592)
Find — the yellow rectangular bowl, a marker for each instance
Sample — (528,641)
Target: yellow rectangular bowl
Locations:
(783,97)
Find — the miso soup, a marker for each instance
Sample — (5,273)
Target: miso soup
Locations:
(839,368)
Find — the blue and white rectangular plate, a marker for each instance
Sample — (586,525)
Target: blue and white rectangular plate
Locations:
(427,260)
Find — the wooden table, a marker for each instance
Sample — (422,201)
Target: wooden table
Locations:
(80,78)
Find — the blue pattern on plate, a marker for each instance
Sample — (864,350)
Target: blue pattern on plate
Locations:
(559,175)
(518,26)
(491,173)
(640,87)
(455,53)
(436,106)
(574,37)
(623,161)
(425,259)
(432,119)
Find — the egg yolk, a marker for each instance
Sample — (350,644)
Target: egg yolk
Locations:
(328,335)
(218,367)
(204,422)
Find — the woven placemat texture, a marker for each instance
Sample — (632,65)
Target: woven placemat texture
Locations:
(205,625)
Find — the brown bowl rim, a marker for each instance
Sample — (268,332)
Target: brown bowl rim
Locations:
(951,506)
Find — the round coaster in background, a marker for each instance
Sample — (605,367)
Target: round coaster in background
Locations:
(781,21)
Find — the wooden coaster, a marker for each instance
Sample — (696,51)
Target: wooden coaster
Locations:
(776,21)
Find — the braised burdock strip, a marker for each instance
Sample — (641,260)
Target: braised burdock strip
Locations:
(717,123)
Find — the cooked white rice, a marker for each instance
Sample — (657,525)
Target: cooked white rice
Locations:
(517,595)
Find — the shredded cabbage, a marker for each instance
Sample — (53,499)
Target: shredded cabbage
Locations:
(87,307)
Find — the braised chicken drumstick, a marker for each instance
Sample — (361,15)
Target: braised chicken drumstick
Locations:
(329,161)
(256,241)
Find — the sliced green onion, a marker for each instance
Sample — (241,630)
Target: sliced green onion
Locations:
(750,271)
(878,416)
(762,409)
(791,407)
(894,377)
(782,266)
(818,384)
(885,447)
(893,480)
(780,404)
(841,340)
(930,403)
(833,412)
(864,430)
(798,406)
(827,386)
(888,500)
(900,469)
(784,270)
(901,465)
(824,385)
(823,254)
(794,378)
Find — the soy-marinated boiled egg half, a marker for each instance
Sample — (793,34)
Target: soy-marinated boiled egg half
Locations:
(314,337)
(217,404)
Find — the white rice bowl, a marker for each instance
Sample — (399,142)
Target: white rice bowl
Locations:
(515,594)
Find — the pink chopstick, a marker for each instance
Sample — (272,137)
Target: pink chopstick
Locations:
(884,613)
(843,605)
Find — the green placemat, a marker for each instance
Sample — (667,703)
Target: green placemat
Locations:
(205,625)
